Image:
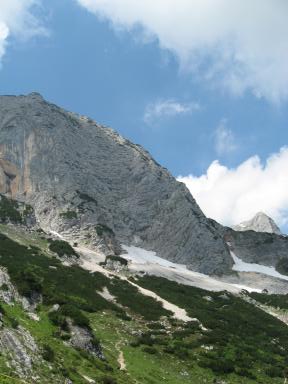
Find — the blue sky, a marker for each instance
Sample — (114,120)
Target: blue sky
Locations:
(143,86)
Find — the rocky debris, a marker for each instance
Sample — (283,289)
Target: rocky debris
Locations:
(55,308)
(10,295)
(33,316)
(7,291)
(107,296)
(259,223)
(21,349)
(88,379)
(77,175)
(116,264)
(82,338)
(31,303)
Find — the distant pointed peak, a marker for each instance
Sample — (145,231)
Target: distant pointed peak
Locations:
(261,222)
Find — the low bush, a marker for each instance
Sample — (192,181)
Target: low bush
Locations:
(282,266)
(108,380)
(48,353)
(117,259)
(62,248)
(102,229)
(150,350)
(9,210)
(69,215)
(29,281)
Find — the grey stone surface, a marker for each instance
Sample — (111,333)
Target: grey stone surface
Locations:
(82,338)
(21,348)
(259,248)
(259,223)
(60,162)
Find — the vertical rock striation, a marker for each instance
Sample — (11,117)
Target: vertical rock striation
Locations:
(78,175)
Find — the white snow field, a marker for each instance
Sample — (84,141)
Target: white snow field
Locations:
(242,266)
(148,262)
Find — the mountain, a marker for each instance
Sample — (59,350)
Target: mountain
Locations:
(84,179)
(95,237)
(259,223)
(87,183)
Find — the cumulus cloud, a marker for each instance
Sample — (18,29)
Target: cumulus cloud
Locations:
(231,196)
(240,45)
(224,139)
(168,108)
(17,20)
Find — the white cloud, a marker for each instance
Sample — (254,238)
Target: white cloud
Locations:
(168,108)
(234,195)
(224,139)
(241,44)
(17,20)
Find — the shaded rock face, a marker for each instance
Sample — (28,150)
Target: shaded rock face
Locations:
(20,347)
(260,248)
(259,223)
(81,338)
(77,174)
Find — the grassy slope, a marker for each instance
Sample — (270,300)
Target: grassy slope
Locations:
(175,355)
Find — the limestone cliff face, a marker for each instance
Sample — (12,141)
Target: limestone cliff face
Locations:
(80,176)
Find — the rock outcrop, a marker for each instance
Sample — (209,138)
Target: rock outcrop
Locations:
(259,223)
(260,248)
(79,175)
(82,338)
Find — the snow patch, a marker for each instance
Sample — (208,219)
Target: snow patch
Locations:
(141,256)
(147,261)
(57,235)
(242,266)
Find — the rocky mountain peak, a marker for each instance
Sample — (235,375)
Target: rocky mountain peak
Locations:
(84,179)
(259,223)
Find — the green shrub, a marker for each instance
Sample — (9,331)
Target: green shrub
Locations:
(28,210)
(108,380)
(245,373)
(274,372)
(282,266)
(62,248)
(69,215)
(150,350)
(48,353)
(9,210)
(2,310)
(58,319)
(118,259)
(129,296)
(75,314)
(86,199)
(14,322)
(29,281)
(4,287)
(218,365)
(123,316)
(155,326)
(102,229)
(145,339)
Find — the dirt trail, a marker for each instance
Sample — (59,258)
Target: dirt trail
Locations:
(121,359)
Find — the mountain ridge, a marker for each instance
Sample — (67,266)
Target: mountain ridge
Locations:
(73,166)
